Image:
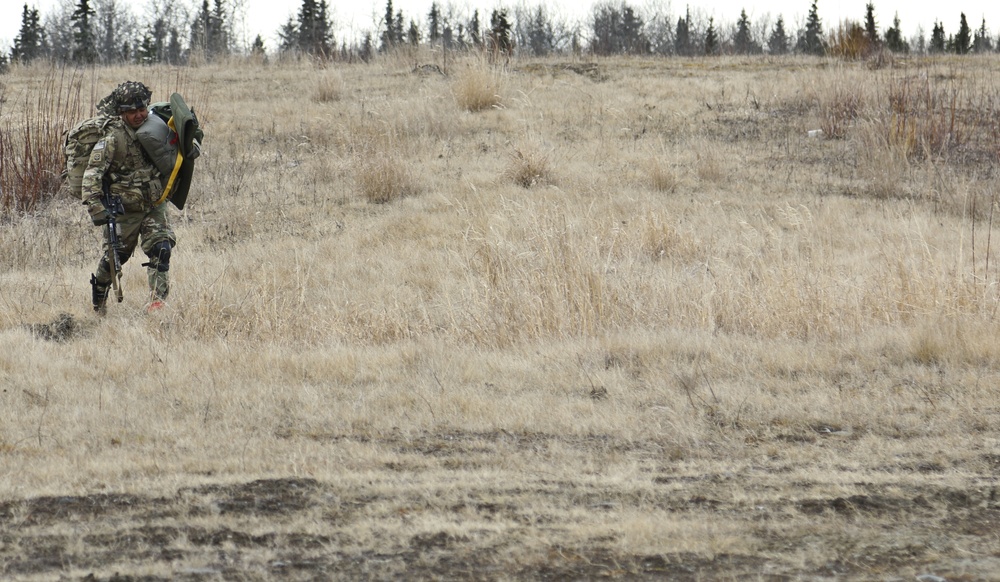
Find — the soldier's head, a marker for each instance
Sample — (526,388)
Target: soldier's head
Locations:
(130,100)
(135,116)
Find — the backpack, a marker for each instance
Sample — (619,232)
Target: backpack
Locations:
(77,145)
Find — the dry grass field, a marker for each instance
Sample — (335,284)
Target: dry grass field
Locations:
(567,320)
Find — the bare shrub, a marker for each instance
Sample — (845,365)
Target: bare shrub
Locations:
(839,111)
(31,155)
(848,41)
(931,119)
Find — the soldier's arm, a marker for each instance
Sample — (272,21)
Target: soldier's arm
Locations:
(93,176)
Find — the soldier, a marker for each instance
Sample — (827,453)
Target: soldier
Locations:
(119,159)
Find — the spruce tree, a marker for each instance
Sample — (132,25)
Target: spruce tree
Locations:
(434,22)
(145,53)
(777,43)
(447,35)
(606,24)
(871,28)
(682,36)
(937,44)
(388,36)
(219,35)
(894,40)
(711,38)
(743,42)
(323,39)
(539,33)
(152,48)
(174,54)
(501,33)
(84,44)
(257,49)
(413,34)
(476,30)
(314,29)
(397,28)
(201,30)
(108,24)
(632,36)
(288,34)
(811,42)
(963,40)
(28,42)
(981,41)
(367,47)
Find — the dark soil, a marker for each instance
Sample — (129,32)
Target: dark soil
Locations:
(304,529)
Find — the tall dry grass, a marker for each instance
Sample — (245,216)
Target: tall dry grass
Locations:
(667,264)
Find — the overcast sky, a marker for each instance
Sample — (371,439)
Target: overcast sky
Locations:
(353,17)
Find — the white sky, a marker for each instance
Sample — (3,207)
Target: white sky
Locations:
(353,17)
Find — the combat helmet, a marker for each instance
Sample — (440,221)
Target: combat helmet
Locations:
(128,96)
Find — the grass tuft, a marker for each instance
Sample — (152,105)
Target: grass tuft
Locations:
(382,178)
(528,167)
(329,88)
(479,87)
(662,177)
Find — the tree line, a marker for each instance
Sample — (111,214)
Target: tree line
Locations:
(170,31)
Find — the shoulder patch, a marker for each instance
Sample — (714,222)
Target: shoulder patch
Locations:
(99,145)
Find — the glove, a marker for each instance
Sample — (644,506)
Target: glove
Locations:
(99,214)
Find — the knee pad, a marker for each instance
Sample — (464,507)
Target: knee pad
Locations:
(123,257)
(159,256)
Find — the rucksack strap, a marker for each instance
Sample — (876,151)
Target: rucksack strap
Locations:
(175,172)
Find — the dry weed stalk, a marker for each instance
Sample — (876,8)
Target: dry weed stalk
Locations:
(840,110)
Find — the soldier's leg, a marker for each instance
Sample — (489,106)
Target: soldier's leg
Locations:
(157,241)
(100,282)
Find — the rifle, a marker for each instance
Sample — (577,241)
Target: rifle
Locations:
(113,204)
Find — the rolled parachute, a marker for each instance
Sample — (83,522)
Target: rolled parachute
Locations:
(172,138)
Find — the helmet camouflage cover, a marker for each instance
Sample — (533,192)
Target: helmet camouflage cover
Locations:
(126,97)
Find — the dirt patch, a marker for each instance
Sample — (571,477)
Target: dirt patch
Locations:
(63,328)
(304,529)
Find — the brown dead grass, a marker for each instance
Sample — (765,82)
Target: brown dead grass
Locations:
(707,347)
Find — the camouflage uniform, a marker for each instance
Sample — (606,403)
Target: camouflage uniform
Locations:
(118,157)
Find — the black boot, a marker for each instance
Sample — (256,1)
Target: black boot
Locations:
(100,295)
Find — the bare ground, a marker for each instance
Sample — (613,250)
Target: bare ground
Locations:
(914,522)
